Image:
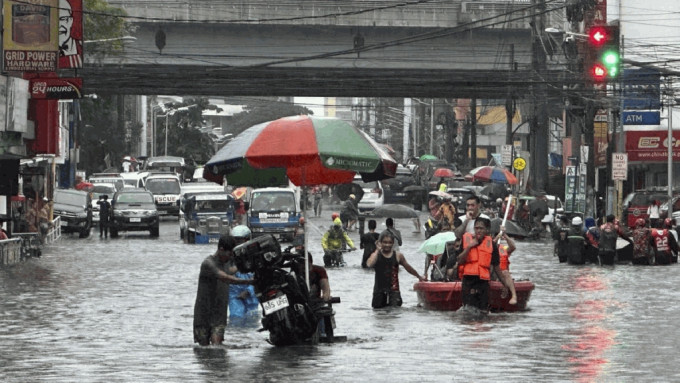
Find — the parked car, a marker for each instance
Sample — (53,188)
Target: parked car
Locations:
(101,189)
(555,208)
(635,204)
(133,210)
(674,204)
(394,187)
(75,209)
(374,194)
(108,178)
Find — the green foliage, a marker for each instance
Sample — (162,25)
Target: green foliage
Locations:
(100,22)
(99,135)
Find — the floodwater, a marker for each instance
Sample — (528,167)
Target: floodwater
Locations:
(121,310)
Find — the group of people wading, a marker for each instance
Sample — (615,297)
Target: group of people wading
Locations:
(653,243)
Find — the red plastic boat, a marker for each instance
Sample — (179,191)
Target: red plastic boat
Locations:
(446,296)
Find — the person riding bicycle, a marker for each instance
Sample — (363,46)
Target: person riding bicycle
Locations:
(335,239)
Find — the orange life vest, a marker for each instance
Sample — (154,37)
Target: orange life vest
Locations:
(479,258)
(505,260)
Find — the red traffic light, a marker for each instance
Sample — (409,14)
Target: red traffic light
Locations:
(599,72)
(598,35)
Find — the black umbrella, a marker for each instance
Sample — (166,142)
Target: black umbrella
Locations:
(511,228)
(414,188)
(494,191)
(344,190)
(394,211)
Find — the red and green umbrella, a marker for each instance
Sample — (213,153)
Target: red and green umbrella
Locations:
(307,150)
(493,174)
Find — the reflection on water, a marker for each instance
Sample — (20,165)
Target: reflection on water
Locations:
(592,339)
(121,310)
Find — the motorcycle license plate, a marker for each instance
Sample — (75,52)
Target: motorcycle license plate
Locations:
(275,305)
(135,220)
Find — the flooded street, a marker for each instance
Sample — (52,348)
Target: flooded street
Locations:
(121,310)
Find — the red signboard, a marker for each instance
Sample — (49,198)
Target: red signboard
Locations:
(651,146)
(596,15)
(56,88)
(70,34)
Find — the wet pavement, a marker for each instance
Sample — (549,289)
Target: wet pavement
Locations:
(121,310)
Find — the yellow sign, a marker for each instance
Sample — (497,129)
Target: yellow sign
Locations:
(519,163)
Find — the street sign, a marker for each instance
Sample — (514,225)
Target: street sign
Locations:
(506,154)
(641,89)
(619,166)
(584,153)
(519,164)
(574,191)
(642,118)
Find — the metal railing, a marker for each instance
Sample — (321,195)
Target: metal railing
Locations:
(54,232)
(27,245)
(10,251)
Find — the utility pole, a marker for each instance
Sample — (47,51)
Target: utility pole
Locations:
(473,133)
(509,101)
(539,158)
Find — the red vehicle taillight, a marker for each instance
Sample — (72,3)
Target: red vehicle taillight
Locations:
(378,191)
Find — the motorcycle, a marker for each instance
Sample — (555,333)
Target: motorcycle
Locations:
(334,258)
(286,310)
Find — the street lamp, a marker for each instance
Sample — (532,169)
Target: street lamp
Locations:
(166,115)
(122,38)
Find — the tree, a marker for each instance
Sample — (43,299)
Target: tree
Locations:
(99,138)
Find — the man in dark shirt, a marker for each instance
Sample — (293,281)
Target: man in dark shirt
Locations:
(368,241)
(212,297)
(104,212)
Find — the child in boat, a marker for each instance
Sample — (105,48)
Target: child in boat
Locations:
(505,251)
(453,250)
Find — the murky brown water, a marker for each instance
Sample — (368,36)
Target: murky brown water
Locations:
(121,311)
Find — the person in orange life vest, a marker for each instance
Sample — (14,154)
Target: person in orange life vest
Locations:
(664,245)
(478,261)
(504,252)
(385,261)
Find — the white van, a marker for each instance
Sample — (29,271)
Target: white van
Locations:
(166,189)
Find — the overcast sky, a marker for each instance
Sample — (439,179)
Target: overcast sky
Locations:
(651,29)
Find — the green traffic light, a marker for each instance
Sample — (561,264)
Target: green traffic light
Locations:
(610,58)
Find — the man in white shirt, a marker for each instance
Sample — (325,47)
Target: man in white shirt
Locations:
(473,207)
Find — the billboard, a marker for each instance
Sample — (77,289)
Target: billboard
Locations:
(641,89)
(651,145)
(30,35)
(70,34)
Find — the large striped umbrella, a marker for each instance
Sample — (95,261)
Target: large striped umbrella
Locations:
(492,174)
(308,150)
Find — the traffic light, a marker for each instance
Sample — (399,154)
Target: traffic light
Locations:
(603,60)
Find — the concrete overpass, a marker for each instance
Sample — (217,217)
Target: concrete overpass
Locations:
(383,48)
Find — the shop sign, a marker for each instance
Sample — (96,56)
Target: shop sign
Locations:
(30,38)
(56,88)
(651,145)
